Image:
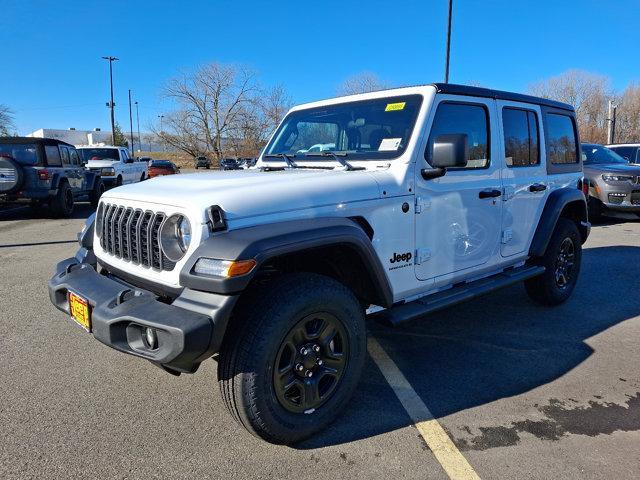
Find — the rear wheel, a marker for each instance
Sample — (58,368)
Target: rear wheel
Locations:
(293,358)
(96,193)
(118,181)
(562,266)
(142,177)
(62,203)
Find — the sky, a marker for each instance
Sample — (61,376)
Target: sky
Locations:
(52,74)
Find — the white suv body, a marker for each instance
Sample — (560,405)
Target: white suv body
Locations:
(436,194)
(114,164)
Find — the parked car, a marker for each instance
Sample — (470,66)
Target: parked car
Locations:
(434,194)
(230,164)
(158,168)
(628,151)
(114,164)
(44,170)
(247,162)
(202,162)
(614,182)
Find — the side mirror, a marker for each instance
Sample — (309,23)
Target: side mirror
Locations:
(448,151)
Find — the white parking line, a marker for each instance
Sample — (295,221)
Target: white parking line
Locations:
(445,451)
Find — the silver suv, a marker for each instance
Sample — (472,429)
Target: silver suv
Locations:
(614,182)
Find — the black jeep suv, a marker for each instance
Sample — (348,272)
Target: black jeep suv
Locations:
(44,170)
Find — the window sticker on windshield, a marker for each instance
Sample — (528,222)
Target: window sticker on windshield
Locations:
(391,107)
(389,144)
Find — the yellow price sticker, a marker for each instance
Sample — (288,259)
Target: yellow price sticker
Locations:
(392,107)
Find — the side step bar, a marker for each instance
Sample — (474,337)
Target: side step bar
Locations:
(460,293)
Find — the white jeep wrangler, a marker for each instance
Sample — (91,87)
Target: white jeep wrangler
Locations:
(432,195)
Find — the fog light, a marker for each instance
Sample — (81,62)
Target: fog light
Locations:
(151,338)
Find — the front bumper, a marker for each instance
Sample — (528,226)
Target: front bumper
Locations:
(189,330)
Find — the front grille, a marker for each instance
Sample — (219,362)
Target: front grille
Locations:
(133,235)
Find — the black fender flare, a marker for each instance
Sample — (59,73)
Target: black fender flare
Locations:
(265,242)
(556,203)
(91,178)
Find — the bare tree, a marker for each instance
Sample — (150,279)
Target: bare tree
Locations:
(6,120)
(628,115)
(588,93)
(363,82)
(221,109)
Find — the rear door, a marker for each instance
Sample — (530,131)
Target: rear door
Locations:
(458,224)
(72,172)
(524,178)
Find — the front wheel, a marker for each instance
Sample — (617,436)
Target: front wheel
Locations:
(562,266)
(293,358)
(62,203)
(96,193)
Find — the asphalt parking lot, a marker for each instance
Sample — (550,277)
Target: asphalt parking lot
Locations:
(522,391)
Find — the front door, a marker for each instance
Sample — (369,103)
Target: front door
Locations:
(524,174)
(458,224)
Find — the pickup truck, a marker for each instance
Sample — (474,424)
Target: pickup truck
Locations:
(114,164)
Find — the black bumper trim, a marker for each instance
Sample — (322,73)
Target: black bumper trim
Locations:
(189,330)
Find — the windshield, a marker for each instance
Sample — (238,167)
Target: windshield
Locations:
(366,130)
(597,154)
(99,154)
(24,154)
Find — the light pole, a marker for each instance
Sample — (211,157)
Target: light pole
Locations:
(611,121)
(138,120)
(111,105)
(161,133)
(446,70)
(131,122)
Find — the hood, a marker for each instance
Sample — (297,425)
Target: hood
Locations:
(100,163)
(629,169)
(248,193)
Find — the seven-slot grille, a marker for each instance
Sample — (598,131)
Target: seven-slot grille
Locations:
(134,235)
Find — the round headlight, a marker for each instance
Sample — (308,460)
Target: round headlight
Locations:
(184,233)
(175,237)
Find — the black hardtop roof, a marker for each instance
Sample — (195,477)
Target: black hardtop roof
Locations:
(36,140)
(454,89)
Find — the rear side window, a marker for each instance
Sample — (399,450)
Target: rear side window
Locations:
(520,137)
(469,119)
(53,155)
(75,160)
(64,152)
(24,154)
(562,147)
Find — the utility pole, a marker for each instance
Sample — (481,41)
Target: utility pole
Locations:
(611,123)
(111,105)
(131,122)
(446,68)
(138,120)
(161,131)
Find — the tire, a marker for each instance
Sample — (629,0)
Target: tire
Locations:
(119,181)
(11,176)
(562,261)
(142,178)
(96,193)
(62,203)
(596,209)
(255,345)
(208,167)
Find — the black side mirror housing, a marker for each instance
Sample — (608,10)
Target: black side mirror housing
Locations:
(450,151)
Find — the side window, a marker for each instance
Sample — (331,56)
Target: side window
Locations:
(75,160)
(124,155)
(64,152)
(53,155)
(626,152)
(562,147)
(520,137)
(472,120)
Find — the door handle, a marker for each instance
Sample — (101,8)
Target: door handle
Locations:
(537,187)
(490,193)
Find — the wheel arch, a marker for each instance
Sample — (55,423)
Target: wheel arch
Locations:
(336,247)
(567,203)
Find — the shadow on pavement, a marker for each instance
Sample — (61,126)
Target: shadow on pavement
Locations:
(26,212)
(491,348)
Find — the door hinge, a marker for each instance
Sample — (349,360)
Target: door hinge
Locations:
(422,255)
(422,204)
(507,235)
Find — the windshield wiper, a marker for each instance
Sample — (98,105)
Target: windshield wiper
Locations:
(290,163)
(336,157)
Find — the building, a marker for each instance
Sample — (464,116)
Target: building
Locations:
(97,137)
